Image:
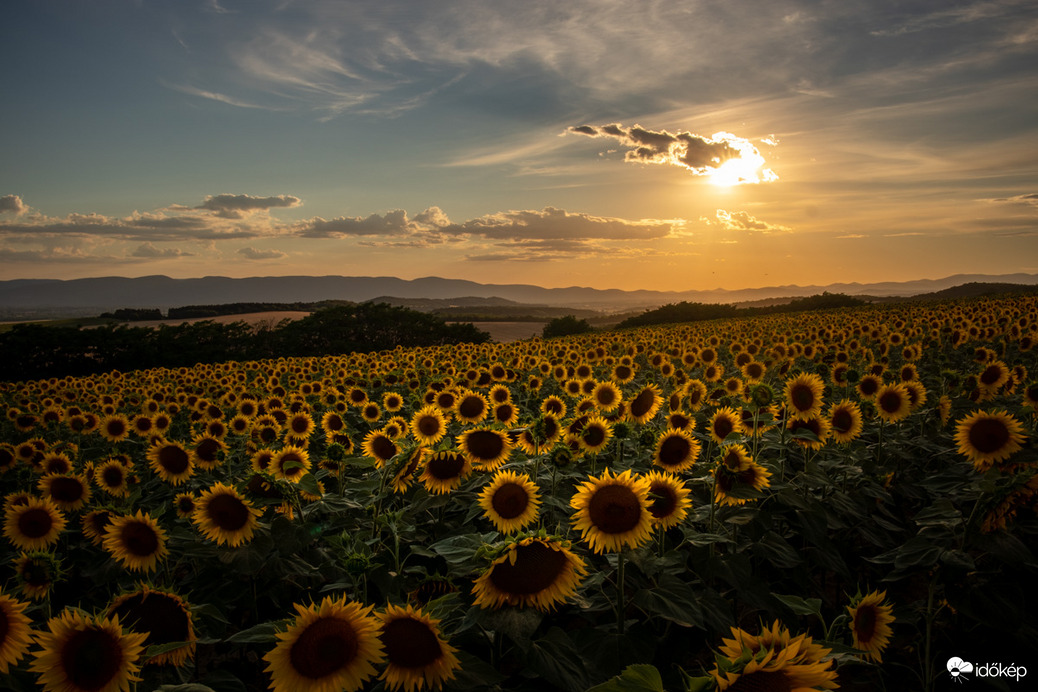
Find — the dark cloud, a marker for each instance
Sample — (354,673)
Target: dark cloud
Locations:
(149,251)
(557,223)
(392,223)
(257,254)
(237,206)
(699,154)
(1031,199)
(12,204)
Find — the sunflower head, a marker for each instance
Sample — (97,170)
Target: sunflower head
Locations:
(870,620)
(80,652)
(613,511)
(511,501)
(416,654)
(163,616)
(536,572)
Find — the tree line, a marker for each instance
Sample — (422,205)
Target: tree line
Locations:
(35,351)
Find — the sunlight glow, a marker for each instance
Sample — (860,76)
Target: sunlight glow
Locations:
(748,167)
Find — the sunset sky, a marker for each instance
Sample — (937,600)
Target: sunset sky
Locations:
(661,145)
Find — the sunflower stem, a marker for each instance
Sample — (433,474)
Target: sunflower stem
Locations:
(927,663)
(621,607)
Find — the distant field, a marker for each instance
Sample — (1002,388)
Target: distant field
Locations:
(505,332)
(249,317)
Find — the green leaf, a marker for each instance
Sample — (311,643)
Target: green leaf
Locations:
(308,484)
(671,599)
(639,677)
(263,633)
(189,687)
(801,606)
(556,659)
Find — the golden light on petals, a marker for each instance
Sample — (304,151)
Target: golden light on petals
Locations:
(417,657)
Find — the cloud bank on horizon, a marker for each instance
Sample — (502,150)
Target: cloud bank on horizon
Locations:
(847,141)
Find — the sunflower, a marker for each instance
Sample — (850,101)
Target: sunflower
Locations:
(994,375)
(370,412)
(817,426)
(668,499)
(893,402)
(554,406)
(329,647)
(290,464)
(737,477)
(870,624)
(406,467)
(137,541)
(505,413)
(676,450)
(868,386)
(95,523)
(845,421)
(725,421)
(299,427)
(115,427)
(170,461)
(536,572)
(224,516)
(69,493)
(34,525)
(471,407)
(613,511)
(262,459)
(163,617)
(595,435)
(428,425)
(986,438)
(444,471)
(207,452)
(380,447)
(113,477)
(510,501)
(644,405)
(607,396)
(773,660)
(485,448)
(83,653)
(416,654)
(804,395)
(392,402)
(16,634)
(37,571)
(185,504)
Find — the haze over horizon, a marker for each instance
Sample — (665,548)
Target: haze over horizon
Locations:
(658,145)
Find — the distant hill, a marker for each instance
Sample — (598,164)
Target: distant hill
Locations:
(23,298)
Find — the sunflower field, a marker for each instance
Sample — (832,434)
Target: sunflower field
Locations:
(831,500)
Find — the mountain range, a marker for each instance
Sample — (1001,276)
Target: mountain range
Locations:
(79,296)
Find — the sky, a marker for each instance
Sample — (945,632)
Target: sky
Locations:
(660,145)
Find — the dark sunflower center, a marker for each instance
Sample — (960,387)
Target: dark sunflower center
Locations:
(665,501)
(300,425)
(383,447)
(865,623)
(268,434)
(66,489)
(160,615)
(324,647)
(295,470)
(139,539)
(35,574)
(428,425)
(762,681)
(675,451)
(614,509)
(842,420)
(335,423)
(174,459)
(116,428)
(623,372)
(869,387)
(535,569)
(553,406)
(503,412)
(510,500)
(227,512)
(642,403)
(723,427)
(446,466)
(991,375)
(484,444)
(594,435)
(35,523)
(91,658)
(988,435)
(410,643)
(890,402)
(207,449)
(605,397)
(802,397)
(471,407)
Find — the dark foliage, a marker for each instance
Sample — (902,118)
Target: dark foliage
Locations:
(32,351)
(565,326)
(695,312)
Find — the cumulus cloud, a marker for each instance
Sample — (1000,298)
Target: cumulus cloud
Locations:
(149,251)
(12,204)
(257,254)
(698,154)
(557,223)
(391,223)
(742,221)
(237,206)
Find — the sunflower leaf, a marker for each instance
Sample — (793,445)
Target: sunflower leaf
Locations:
(263,633)
(639,677)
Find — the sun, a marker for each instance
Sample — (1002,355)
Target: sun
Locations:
(747,167)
